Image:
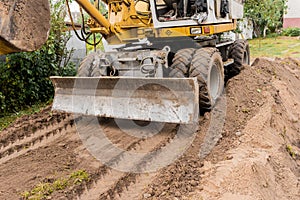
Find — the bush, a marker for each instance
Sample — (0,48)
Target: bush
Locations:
(24,79)
(292,32)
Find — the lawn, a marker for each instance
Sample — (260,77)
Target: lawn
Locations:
(275,47)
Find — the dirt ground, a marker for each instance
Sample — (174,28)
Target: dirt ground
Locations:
(255,154)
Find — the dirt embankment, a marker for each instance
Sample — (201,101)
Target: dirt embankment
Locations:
(256,155)
(262,156)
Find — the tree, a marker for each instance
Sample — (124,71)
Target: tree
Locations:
(265,14)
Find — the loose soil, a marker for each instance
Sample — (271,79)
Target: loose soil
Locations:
(24,25)
(255,154)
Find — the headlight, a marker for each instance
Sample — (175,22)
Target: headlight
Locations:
(196,31)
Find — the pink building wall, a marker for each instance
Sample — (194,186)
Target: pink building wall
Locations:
(292,17)
(291,22)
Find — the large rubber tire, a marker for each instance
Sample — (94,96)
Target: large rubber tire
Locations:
(181,63)
(91,66)
(240,53)
(207,66)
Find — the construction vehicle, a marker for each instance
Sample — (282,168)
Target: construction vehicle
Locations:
(167,59)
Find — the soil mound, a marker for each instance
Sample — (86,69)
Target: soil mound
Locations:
(262,157)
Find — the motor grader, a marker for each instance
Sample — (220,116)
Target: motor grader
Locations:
(166,62)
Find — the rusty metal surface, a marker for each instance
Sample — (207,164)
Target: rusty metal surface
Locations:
(150,99)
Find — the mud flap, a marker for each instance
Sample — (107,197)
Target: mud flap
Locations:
(149,99)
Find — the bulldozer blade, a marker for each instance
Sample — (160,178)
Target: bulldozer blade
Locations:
(149,99)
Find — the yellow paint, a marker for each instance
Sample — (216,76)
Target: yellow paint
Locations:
(6,48)
(127,24)
(94,13)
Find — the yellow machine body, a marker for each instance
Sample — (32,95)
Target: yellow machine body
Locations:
(134,80)
(130,20)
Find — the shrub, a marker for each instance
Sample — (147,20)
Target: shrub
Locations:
(292,32)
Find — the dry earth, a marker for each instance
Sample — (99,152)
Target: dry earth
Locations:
(24,25)
(255,155)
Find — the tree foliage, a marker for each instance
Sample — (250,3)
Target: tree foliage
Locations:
(24,79)
(265,14)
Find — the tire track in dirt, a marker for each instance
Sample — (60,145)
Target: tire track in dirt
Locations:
(28,125)
(106,183)
(130,178)
(35,147)
(110,183)
(23,143)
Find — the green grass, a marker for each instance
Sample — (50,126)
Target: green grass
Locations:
(44,190)
(275,47)
(6,120)
(290,150)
